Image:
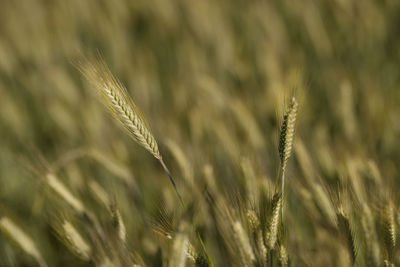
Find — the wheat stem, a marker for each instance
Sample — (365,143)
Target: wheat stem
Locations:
(172,181)
(283,193)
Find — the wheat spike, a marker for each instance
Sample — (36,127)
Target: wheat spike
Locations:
(273,227)
(191,252)
(286,142)
(22,239)
(116,98)
(283,256)
(76,241)
(262,249)
(389,225)
(287,133)
(243,243)
(195,257)
(371,238)
(118,223)
(64,193)
(179,248)
(253,220)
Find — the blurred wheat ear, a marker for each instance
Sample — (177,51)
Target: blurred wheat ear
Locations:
(26,243)
(117,100)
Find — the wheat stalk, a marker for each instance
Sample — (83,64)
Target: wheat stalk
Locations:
(115,97)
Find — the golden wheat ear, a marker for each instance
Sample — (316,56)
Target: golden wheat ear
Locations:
(117,100)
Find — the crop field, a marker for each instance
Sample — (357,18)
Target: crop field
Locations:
(200,133)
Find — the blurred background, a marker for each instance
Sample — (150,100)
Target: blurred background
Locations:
(213,79)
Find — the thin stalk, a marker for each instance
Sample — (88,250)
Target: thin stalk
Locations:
(204,247)
(271,262)
(283,194)
(183,205)
(172,182)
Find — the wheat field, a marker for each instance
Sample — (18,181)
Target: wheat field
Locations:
(199,133)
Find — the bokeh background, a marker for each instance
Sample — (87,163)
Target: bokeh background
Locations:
(213,79)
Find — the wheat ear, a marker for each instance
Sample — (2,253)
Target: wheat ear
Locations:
(273,224)
(116,98)
(242,240)
(389,225)
(75,241)
(22,239)
(286,141)
(283,256)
